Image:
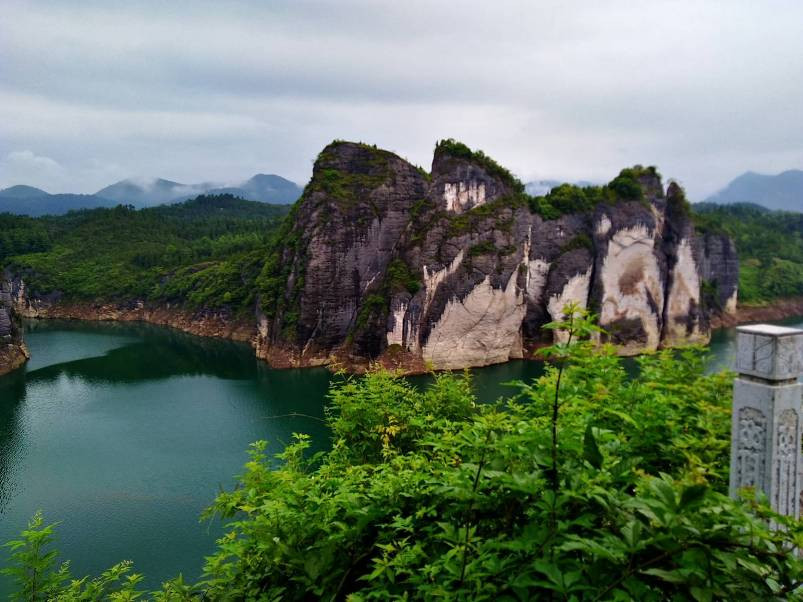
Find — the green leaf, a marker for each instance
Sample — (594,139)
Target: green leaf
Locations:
(591,452)
(668,576)
(692,495)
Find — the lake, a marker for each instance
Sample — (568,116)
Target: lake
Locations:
(124,433)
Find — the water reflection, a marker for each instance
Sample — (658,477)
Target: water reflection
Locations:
(124,433)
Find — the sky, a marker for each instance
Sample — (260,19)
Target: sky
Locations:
(94,92)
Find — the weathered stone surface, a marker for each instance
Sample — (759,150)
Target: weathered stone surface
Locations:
(769,352)
(454,269)
(631,274)
(719,270)
(13,352)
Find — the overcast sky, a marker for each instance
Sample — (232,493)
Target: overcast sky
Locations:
(93,92)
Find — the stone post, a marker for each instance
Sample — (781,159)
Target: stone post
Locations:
(766,422)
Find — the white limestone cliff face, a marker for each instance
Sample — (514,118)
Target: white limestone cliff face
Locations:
(433,279)
(535,283)
(731,303)
(395,335)
(683,300)
(632,286)
(604,225)
(460,196)
(405,332)
(575,290)
(479,330)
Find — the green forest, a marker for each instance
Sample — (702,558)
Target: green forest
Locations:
(769,244)
(203,252)
(590,484)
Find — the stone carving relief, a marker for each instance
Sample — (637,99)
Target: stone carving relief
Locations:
(790,355)
(785,463)
(750,468)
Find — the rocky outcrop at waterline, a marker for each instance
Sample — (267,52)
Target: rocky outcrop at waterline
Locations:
(458,267)
(13,352)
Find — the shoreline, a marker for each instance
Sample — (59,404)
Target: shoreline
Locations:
(745,314)
(222,324)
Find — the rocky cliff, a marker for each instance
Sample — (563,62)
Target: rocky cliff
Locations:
(13,352)
(459,267)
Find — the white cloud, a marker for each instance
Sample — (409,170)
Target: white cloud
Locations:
(212,91)
(26,167)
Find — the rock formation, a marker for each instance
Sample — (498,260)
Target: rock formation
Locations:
(13,352)
(459,267)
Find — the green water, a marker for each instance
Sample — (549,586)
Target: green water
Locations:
(124,433)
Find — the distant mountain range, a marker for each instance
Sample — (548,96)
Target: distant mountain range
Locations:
(27,200)
(783,191)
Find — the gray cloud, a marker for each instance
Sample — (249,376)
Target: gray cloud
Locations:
(218,91)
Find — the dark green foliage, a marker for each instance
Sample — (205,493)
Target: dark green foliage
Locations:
(486,247)
(423,173)
(770,247)
(398,278)
(677,203)
(472,220)
(710,297)
(348,187)
(366,171)
(371,305)
(202,252)
(401,277)
(456,149)
(567,199)
(589,485)
(271,282)
(626,186)
(20,235)
(581,241)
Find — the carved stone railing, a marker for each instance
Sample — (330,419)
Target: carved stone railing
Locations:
(766,423)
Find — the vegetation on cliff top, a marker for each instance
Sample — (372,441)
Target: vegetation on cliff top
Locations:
(569,198)
(561,200)
(366,170)
(456,149)
(588,485)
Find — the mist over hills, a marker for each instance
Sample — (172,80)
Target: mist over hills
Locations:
(542,187)
(783,191)
(27,200)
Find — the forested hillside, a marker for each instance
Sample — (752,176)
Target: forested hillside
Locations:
(770,247)
(202,251)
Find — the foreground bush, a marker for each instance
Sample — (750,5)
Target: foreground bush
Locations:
(588,485)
